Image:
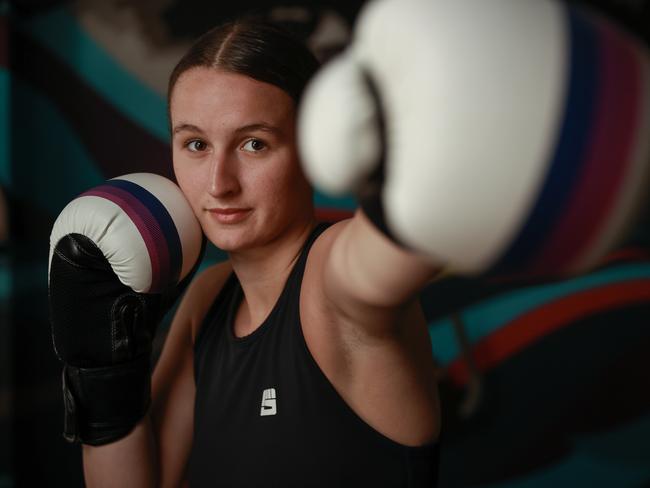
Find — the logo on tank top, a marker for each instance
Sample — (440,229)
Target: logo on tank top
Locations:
(269,406)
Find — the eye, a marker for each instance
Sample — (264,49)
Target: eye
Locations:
(254,145)
(196,145)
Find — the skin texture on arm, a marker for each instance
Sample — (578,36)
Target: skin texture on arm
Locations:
(173,388)
(155,453)
(128,462)
(365,328)
(366,273)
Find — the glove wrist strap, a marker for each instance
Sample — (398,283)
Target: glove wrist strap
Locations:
(369,196)
(102,405)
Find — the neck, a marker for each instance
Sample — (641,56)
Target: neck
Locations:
(263,271)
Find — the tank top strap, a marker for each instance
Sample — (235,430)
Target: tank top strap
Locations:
(207,327)
(299,268)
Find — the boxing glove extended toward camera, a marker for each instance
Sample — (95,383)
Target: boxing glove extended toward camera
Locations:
(494,135)
(120,255)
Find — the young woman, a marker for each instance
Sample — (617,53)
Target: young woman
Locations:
(303,360)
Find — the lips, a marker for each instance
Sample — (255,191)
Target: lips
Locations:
(229,215)
(227,211)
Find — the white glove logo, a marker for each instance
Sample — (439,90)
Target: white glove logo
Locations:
(269,406)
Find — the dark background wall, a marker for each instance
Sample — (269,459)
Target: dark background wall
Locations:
(543,383)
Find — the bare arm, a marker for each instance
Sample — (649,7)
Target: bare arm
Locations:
(368,277)
(365,328)
(127,462)
(155,453)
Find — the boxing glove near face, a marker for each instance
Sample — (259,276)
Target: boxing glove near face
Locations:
(513,134)
(120,256)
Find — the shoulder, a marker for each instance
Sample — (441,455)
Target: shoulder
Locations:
(201,293)
(319,317)
(317,261)
(358,284)
(323,244)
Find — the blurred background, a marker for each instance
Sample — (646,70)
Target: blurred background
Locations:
(543,384)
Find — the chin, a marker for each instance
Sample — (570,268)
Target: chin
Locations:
(227,243)
(231,239)
(247,235)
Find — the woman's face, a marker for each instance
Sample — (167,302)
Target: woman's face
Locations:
(235,159)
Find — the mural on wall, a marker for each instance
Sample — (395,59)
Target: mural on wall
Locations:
(543,383)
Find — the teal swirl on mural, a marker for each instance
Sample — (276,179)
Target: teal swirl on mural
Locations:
(58,31)
(51,150)
(487,317)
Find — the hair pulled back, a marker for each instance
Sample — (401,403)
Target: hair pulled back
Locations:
(255,48)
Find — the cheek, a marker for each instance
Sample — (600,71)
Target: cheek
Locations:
(188,181)
(285,189)
(279,179)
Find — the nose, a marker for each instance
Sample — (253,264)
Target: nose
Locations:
(224,180)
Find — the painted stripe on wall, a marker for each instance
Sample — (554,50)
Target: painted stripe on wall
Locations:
(58,31)
(486,317)
(116,143)
(322,200)
(535,324)
(62,165)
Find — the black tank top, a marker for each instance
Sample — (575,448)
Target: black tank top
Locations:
(267,416)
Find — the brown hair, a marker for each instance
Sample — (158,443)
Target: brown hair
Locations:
(252,47)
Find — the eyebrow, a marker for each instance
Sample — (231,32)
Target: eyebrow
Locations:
(187,127)
(258,126)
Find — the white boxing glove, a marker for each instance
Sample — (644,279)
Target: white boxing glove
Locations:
(508,135)
(120,255)
(142,224)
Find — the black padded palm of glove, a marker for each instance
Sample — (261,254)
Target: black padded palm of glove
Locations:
(102,331)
